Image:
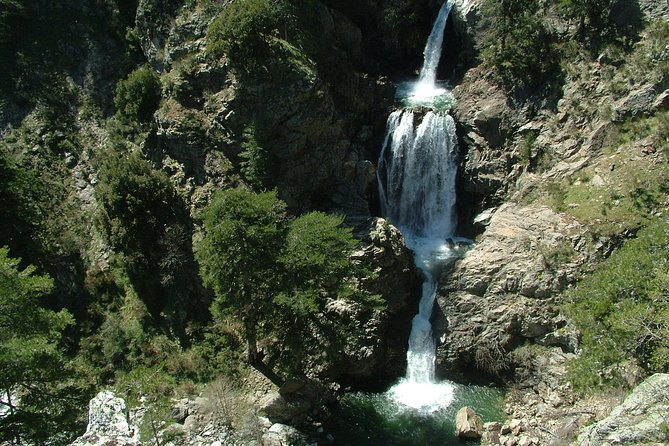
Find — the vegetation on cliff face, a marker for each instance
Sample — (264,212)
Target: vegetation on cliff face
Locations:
(272,273)
(121,120)
(622,309)
(38,386)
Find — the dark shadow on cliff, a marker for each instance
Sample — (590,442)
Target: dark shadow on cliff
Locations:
(625,22)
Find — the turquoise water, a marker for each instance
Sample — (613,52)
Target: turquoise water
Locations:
(375,419)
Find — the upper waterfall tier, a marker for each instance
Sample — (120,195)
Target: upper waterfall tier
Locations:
(432,52)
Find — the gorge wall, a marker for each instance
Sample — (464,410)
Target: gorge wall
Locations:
(548,182)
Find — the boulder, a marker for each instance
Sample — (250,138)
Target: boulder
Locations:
(376,346)
(491,433)
(278,408)
(641,419)
(638,102)
(282,435)
(468,424)
(108,423)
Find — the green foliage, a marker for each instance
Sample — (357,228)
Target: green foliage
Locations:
(142,218)
(136,201)
(591,13)
(239,254)
(271,273)
(40,401)
(243,29)
(622,309)
(518,44)
(138,96)
(257,163)
(632,192)
(9,9)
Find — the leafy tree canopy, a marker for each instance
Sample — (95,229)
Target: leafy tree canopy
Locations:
(33,387)
(270,271)
(243,28)
(138,96)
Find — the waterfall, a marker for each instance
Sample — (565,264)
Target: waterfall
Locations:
(432,52)
(416,173)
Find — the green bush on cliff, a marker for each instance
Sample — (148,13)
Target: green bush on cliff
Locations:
(622,310)
(592,14)
(242,30)
(142,218)
(137,96)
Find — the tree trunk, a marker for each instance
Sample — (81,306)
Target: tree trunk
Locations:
(251,339)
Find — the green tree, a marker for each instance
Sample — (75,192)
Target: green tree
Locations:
(9,9)
(138,96)
(256,162)
(34,395)
(142,217)
(243,29)
(273,273)
(316,261)
(238,256)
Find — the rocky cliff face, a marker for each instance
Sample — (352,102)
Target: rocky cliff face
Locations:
(531,245)
(320,140)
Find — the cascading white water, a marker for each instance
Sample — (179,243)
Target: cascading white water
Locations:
(432,52)
(416,172)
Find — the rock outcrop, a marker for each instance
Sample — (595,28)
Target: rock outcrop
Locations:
(108,423)
(484,122)
(375,347)
(499,294)
(641,419)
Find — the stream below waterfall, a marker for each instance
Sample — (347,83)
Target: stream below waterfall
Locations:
(416,173)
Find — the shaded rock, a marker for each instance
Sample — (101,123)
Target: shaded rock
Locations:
(376,347)
(180,412)
(662,101)
(468,424)
(639,420)
(636,103)
(491,433)
(279,409)
(484,121)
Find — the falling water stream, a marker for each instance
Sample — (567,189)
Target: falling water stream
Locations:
(416,173)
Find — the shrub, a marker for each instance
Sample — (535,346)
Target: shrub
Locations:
(591,13)
(622,310)
(143,219)
(137,96)
(518,44)
(257,162)
(241,31)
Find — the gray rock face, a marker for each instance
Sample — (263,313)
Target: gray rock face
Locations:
(498,295)
(282,435)
(640,420)
(484,120)
(108,423)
